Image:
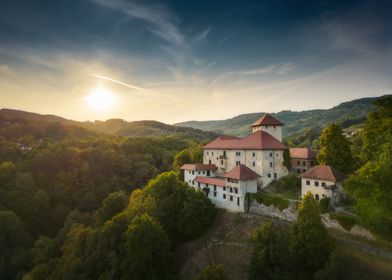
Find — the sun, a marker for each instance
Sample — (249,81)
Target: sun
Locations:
(100,99)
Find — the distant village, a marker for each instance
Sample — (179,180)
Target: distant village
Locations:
(233,167)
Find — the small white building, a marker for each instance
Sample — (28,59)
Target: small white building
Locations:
(227,192)
(323,181)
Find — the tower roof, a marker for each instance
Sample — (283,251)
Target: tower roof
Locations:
(267,119)
(242,172)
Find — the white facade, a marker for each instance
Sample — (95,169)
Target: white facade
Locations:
(231,196)
(274,130)
(190,175)
(267,163)
(321,189)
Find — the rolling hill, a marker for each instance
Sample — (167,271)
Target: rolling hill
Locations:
(345,114)
(121,127)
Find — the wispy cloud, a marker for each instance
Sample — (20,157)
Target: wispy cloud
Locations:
(118,82)
(277,69)
(202,35)
(5,69)
(162,21)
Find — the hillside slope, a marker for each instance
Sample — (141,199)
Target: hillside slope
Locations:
(345,114)
(112,126)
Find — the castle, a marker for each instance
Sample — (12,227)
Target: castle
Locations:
(233,167)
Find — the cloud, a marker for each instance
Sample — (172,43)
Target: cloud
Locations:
(162,21)
(117,82)
(277,69)
(202,35)
(5,69)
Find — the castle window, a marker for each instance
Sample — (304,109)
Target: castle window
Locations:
(270,164)
(275,175)
(207,153)
(224,188)
(212,153)
(316,183)
(274,126)
(238,201)
(303,163)
(254,164)
(193,172)
(307,182)
(317,197)
(224,196)
(231,198)
(254,154)
(231,190)
(214,188)
(270,154)
(224,153)
(235,190)
(269,175)
(298,162)
(298,171)
(215,194)
(209,161)
(323,184)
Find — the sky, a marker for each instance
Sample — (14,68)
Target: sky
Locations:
(179,60)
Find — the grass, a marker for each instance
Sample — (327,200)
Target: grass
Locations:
(268,199)
(346,221)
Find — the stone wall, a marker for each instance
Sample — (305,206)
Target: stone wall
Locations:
(290,215)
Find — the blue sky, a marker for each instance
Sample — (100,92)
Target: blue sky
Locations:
(180,60)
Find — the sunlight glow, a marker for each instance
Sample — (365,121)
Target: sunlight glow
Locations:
(101,99)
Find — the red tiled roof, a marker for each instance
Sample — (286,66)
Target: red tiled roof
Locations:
(324,172)
(267,119)
(241,172)
(210,181)
(302,153)
(259,140)
(198,166)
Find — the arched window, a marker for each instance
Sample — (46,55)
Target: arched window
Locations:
(317,197)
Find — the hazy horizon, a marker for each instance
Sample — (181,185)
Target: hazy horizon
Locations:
(173,61)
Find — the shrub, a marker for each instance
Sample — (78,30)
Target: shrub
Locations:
(267,199)
(212,272)
(289,183)
(324,205)
(346,221)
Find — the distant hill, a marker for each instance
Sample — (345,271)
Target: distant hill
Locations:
(111,126)
(345,114)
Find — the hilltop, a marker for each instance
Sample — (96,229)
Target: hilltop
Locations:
(120,127)
(345,114)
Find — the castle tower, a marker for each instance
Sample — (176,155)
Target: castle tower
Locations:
(270,125)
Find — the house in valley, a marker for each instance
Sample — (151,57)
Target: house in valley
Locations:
(323,181)
(302,159)
(233,167)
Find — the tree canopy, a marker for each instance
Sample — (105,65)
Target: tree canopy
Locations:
(335,149)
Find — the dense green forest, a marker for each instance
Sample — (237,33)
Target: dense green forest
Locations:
(62,184)
(296,123)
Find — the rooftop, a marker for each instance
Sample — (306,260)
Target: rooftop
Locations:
(324,172)
(242,172)
(259,140)
(267,119)
(210,180)
(198,166)
(302,153)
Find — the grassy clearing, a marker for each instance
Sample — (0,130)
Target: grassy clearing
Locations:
(268,199)
(345,220)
